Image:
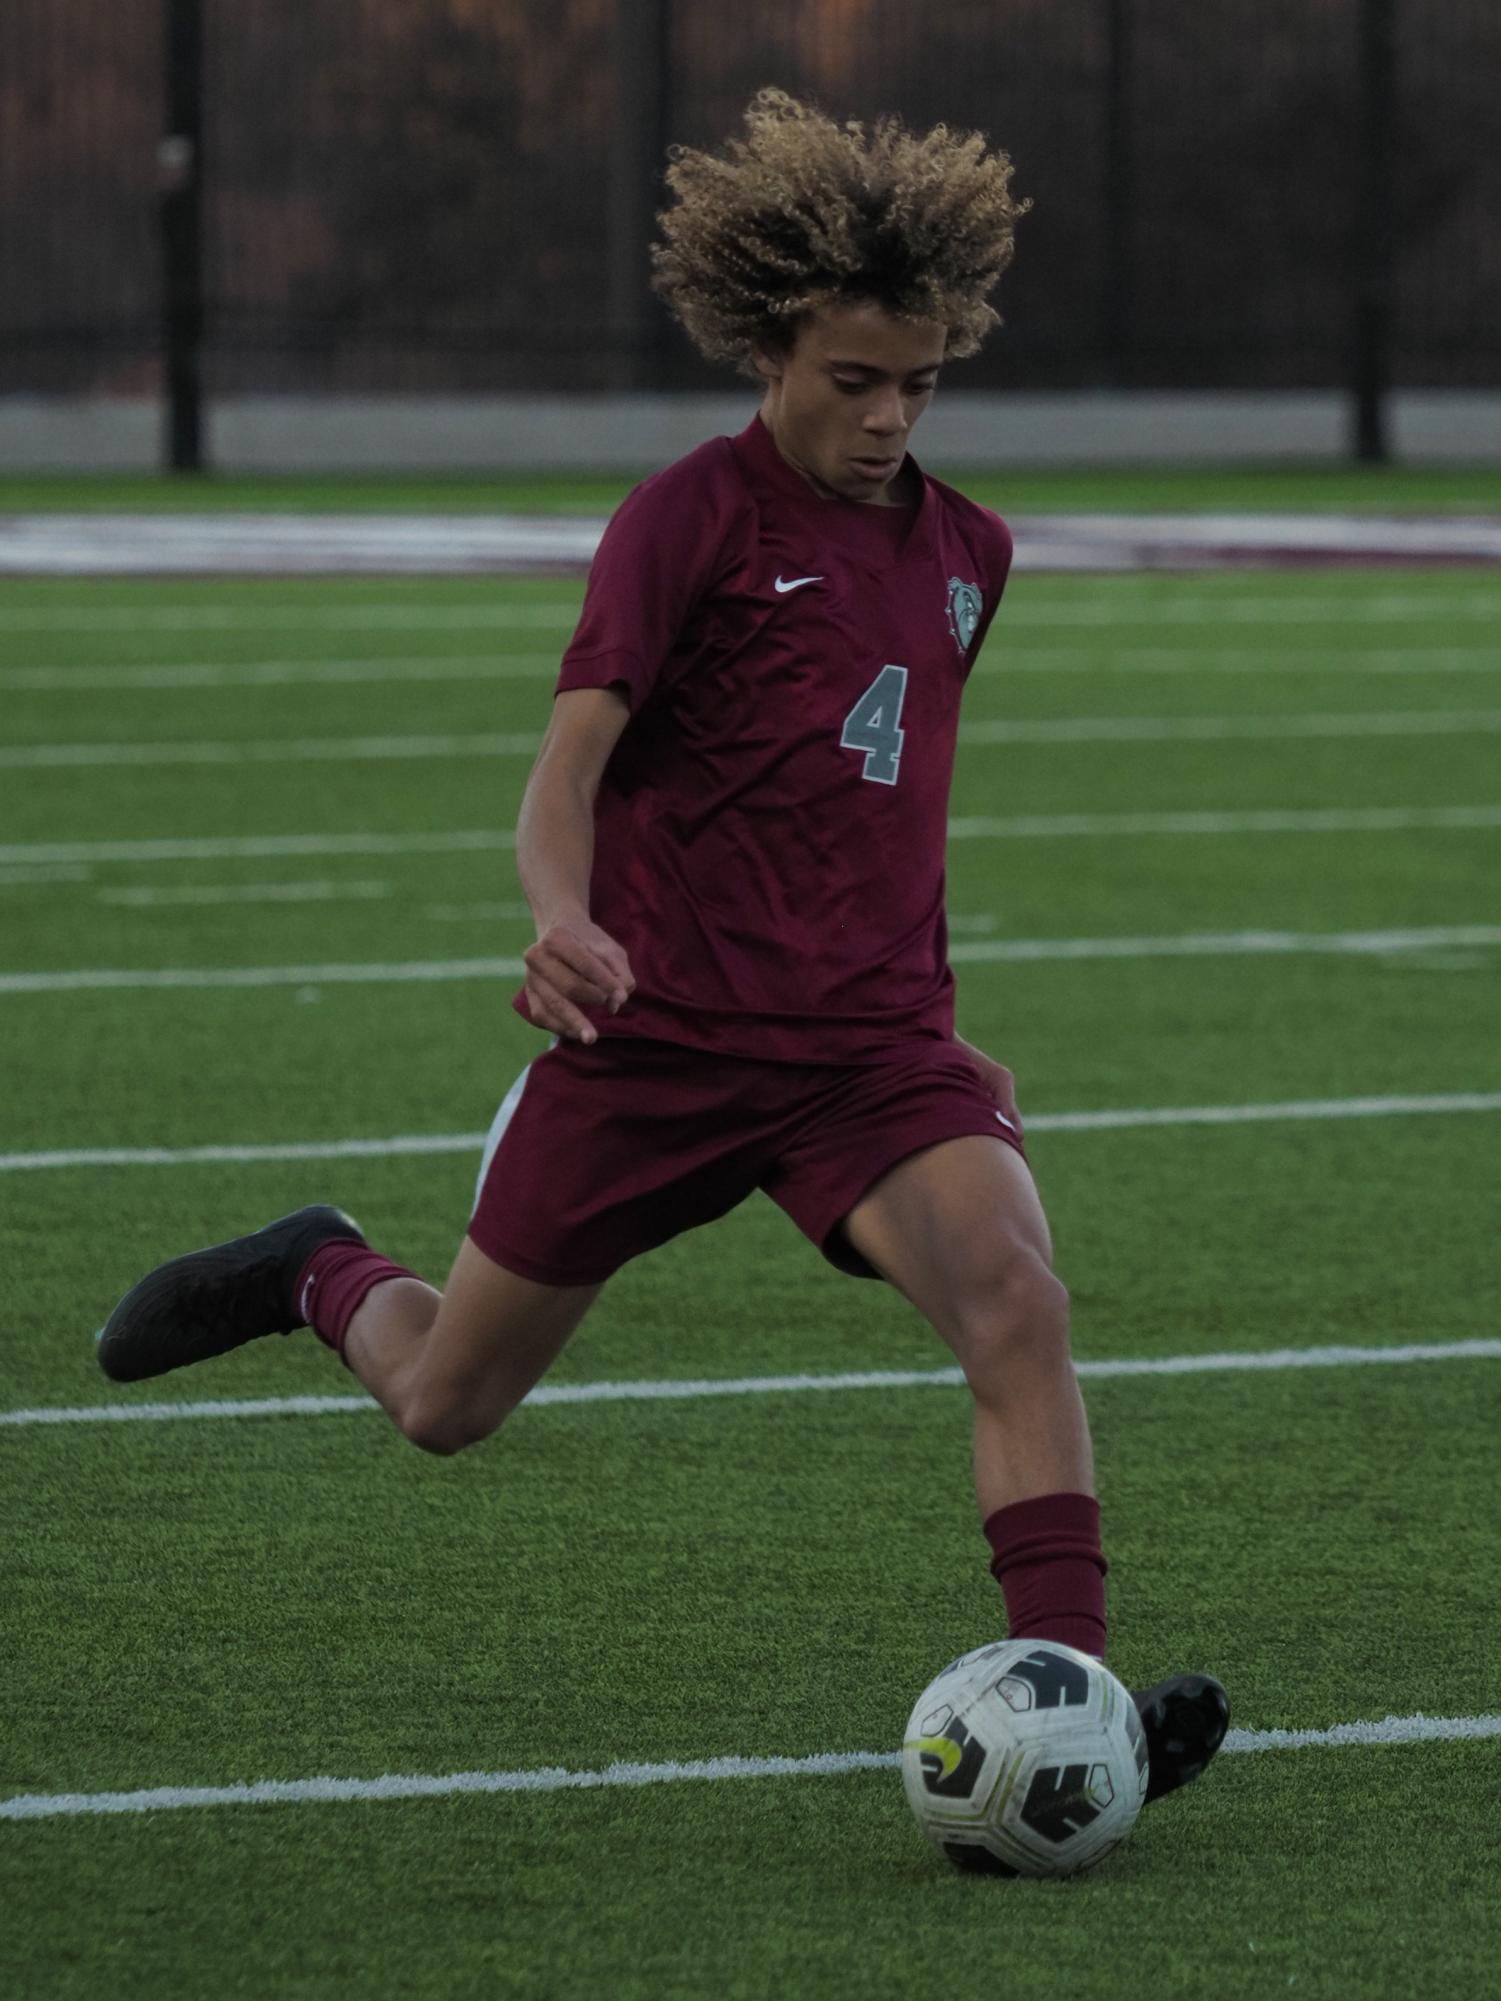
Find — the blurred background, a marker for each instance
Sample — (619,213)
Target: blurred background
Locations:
(211,207)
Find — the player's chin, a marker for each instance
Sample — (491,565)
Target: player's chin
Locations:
(859,479)
(864,478)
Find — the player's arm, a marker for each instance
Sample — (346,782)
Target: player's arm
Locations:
(574,964)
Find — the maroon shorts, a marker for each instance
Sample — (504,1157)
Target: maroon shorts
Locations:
(602,1152)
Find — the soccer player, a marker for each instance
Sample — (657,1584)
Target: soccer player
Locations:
(732,842)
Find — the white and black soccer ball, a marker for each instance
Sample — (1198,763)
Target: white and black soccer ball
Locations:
(1026,1758)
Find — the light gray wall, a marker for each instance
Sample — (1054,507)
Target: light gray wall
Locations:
(270,434)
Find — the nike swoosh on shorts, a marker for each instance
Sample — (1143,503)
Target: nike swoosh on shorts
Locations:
(785,584)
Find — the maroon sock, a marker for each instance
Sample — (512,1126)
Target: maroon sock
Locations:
(1049,1564)
(333,1283)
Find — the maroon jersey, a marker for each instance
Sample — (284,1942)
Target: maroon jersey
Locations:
(770,828)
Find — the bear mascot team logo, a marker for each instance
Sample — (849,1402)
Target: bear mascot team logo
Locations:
(965,606)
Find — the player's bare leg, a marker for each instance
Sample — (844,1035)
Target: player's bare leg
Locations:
(960,1231)
(450,1367)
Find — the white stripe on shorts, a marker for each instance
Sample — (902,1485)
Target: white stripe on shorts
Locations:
(498,1127)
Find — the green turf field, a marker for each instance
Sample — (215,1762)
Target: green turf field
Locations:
(1180,796)
(1460,489)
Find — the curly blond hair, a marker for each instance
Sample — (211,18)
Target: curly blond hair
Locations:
(802,212)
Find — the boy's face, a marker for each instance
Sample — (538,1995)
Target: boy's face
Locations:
(842,402)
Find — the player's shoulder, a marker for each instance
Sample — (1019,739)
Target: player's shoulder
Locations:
(980,529)
(705,477)
(684,518)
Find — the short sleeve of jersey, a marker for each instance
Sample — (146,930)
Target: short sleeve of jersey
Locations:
(997,551)
(657,557)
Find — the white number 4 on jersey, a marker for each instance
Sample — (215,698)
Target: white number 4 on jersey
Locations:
(874,726)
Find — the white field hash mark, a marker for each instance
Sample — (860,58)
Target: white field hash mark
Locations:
(402,1145)
(1418,1729)
(1025,826)
(979,952)
(470,744)
(688,1389)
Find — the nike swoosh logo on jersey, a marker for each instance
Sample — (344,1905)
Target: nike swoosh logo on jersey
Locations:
(785,584)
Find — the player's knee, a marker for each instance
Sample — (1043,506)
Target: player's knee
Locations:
(441,1429)
(1020,1315)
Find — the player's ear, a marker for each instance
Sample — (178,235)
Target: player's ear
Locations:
(767,363)
(770,354)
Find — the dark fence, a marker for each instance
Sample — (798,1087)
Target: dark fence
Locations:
(456,194)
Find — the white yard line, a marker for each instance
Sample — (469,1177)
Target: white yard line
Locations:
(397,1146)
(1000,658)
(1263,1361)
(1379,608)
(1225,729)
(1275,820)
(987,951)
(276,615)
(112,979)
(256,847)
(1226,944)
(1416,1105)
(292,750)
(1389,1730)
(476,743)
(26,876)
(1122,603)
(1026,826)
(280,673)
(473,913)
(212,895)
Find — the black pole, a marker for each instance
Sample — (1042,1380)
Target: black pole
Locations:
(1374,245)
(643,68)
(1119,270)
(179,159)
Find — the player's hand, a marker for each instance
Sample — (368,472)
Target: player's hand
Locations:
(575,965)
(997,1080)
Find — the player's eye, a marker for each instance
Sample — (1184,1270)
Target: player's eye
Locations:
(850,388)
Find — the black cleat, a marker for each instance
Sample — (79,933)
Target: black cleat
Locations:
(1185,1720)
(211,1301)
